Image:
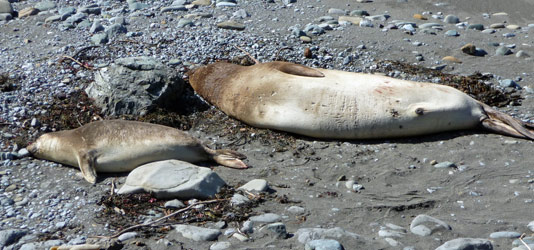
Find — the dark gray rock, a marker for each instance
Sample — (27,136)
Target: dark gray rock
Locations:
(101,38)
(96,27)
(135,85)
(451,19)
(359,13)
(115,29)
(277,230)
(173,8)
(133,6)
(10,236)
(45,5)
(67,11)
(77,18)
(476,27)
(452,33)
(5,7)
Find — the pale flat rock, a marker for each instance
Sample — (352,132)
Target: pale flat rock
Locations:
(127,236)
(497,26)
(231,25)
(78,247)
(305,235)
(266,218)
(259,185)
(351,19)
(466,244)
(513,27)
(296,210)
(197,233)
(221,245)
(390,233)
(323,245)
(176,204)
(173,179)
(505,235)
(29,11)
(416,226)
(238,200)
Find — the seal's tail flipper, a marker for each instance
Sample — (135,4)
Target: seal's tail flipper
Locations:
(228,158)
(502,123)
(86,162)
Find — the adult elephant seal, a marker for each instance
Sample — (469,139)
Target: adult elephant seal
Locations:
(343,105)
(121,146)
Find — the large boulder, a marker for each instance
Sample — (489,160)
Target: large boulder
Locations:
(135,85)
(173,179)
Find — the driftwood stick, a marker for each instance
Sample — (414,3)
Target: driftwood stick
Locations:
(76,61)
(248,54)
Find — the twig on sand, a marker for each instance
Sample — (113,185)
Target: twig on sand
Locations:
(76,61)
(524,243)
(158,220)
(248,54)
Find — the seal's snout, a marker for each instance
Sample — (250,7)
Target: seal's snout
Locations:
(33,148)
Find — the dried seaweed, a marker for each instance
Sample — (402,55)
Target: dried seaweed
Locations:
(121,211)
(8,84)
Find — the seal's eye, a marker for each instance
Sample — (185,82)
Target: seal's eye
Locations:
(419,111)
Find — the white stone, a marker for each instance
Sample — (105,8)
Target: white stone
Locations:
(259,185)
(466,243)
(173,179)
(197,233)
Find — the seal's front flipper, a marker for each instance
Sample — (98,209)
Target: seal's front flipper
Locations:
(227,158)
(298,70)
(86,162)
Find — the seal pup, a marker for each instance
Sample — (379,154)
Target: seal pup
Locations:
(121,146)
(335,104)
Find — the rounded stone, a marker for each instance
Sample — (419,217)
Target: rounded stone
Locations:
(451,19)
(324,244)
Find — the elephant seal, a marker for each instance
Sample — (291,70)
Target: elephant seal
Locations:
(121,146)
(333,104)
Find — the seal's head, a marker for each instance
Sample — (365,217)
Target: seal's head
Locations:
(33,148)
(48,147)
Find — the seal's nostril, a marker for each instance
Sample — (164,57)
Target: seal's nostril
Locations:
(419,111)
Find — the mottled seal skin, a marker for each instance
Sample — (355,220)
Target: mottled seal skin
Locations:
(343,105)
(121,146)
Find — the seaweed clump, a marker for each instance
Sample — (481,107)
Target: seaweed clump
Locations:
(70,111)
